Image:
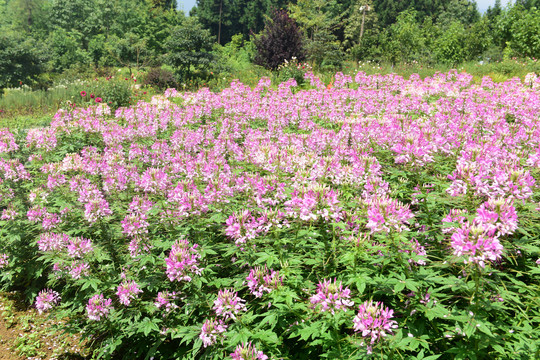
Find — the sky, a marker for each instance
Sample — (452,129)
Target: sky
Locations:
(186,5)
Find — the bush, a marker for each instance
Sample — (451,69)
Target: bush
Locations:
(280,40)
(293,70)
(113,91)
(159,78)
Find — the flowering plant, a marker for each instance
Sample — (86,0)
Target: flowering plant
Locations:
(377,216)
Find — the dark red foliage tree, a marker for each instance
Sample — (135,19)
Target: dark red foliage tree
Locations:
(280,40)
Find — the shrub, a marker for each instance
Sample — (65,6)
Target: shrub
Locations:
(280,40)
(293,70)
(113,91)
(159,78)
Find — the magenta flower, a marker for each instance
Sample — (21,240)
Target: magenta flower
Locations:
(247,352)
(98,307)
(332,296)
(127,291)
(261,280)
(386,214)
(52,242)
(46,300)
(182,261)
(79,246)
(476,244)
(228,304)
(4,260)
(499,215)
(373,322)
(211,330)
(164,300)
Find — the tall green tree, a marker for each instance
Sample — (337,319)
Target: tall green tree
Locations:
(226,18)
(21,60)
(189,48)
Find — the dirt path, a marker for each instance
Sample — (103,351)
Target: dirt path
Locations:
(24,334)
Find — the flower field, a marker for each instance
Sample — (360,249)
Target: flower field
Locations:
(370,217)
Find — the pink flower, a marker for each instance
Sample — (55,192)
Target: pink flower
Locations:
(164,299)
(332,296)
(386,214)
(83,93)
(98,99)
(476,244)
(79,246)
(98,307)
(228,304)
(261,280)
(211,330)
(127,291)
(46,300)
(182,261)
(373,322)
(52,242)
(248,352)
(4,260)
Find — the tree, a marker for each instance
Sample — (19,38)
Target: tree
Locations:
(281,40)
(189,47)
(226,18)
(526,34)
(405,40)
(129,51)
(20,60)
(362,17)
(318,24)
(450,46)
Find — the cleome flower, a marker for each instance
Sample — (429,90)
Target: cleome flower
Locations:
(46,300)
(247,352)
(332,296)
(182,261)
(261,280)
(211,330)
(373,322)
(127,291)
(228,304)
(98,307)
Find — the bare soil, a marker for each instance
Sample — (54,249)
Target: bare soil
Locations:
(25,334)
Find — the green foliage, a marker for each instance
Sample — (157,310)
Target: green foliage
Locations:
(66,51)
(113,91)
(189,47)
(405,41)
(21,60)
(525,31)
(450,46)
(293,70)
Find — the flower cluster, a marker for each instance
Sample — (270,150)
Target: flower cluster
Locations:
(476,244)
(46,300)
(182,261)
(228,304)
(373,321)
(211,330)
(98,307)
(261,280)
(127,291)
(247,352)
(331,296)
